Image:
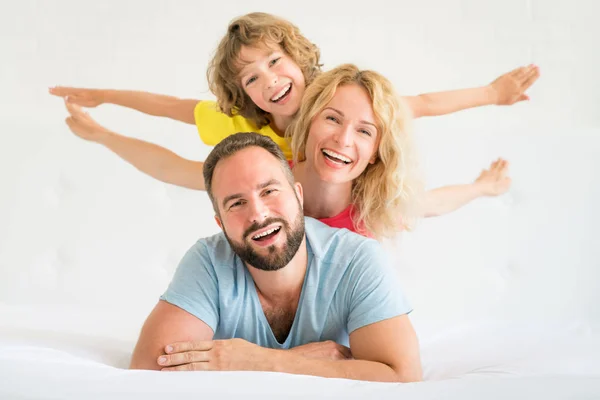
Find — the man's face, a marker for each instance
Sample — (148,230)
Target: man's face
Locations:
(259,211)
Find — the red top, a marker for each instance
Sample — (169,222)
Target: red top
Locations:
(343,219)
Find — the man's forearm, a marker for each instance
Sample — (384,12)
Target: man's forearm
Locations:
(153,104)
(156,161)
(440,103)
(293,363)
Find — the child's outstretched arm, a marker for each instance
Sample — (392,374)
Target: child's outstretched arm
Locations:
(491,182)
(507,89)
(151,159)
(148,103)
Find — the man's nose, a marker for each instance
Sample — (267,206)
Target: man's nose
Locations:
(258,211)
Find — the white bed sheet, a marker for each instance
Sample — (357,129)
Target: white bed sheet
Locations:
(492,360)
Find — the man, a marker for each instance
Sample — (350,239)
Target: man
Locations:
(276,291)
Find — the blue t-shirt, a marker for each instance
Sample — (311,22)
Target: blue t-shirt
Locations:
(347,286)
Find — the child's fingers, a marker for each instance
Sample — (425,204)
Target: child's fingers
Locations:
(61,91)
(72,108)
(520,73)
(533,76)
(494,165)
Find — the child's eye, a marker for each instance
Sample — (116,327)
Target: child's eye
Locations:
(274,61)
(249,81)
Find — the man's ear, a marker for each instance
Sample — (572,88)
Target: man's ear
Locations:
(218,220)
(299,192)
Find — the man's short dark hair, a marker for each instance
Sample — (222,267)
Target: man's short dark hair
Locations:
(234,143)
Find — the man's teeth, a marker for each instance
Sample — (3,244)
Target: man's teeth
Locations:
(260,235)
(337,156)
(282,93)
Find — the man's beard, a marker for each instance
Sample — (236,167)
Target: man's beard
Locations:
(277,258)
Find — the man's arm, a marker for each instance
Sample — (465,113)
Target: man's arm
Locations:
(151,159)
(148,103)
(491,182)
(386,351)
(166,324)
(507,89)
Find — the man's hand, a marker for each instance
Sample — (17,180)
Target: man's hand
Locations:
(328,350)
(494,181)
(214,355)
(510,88)
(79,96)
(82,124)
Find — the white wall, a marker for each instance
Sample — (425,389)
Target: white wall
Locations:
(81,229)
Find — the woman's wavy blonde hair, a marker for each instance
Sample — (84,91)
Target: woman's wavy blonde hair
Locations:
(386,193)
(256,29)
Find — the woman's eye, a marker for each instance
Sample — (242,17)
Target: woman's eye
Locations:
(332,118)
(366,132)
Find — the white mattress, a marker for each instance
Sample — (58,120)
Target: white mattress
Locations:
(491,360)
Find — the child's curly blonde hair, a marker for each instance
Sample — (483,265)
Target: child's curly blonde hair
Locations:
(256,29)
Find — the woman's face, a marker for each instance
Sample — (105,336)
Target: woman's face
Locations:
(343,138)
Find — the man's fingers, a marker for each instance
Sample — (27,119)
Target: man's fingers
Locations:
(203,366)
(187,357)
(180,347)
(345,351)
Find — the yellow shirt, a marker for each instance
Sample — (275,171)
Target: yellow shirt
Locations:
(214,126)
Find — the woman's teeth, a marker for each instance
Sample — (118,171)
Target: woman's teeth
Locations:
(336,157)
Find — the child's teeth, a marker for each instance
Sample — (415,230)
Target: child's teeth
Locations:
(281,93)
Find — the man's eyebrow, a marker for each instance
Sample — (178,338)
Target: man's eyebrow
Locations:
(263,185)
(342,114)
(268,183)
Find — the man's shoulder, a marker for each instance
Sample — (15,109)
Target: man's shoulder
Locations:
(215,249)
(335,245)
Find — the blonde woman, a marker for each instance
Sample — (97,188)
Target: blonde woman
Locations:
(354,156)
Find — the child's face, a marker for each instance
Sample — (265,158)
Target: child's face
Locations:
(343,138)
(272,80)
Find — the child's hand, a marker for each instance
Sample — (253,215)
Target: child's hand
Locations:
(83,125)
(510,88)
(494,181)
(82,97)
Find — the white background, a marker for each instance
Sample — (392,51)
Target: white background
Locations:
(83,232)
